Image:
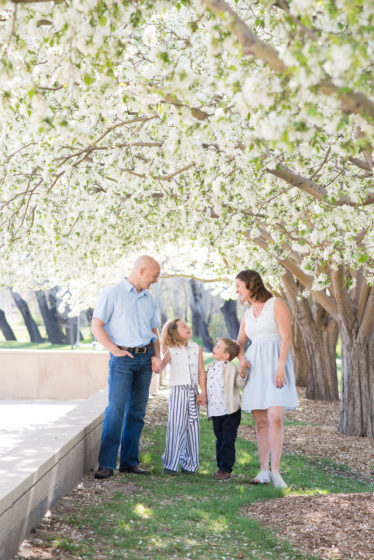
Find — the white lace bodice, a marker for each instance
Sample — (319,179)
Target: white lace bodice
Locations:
(264,324)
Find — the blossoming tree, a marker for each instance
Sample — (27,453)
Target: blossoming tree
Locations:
(239,124)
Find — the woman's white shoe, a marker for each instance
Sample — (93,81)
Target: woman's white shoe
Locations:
(263,477)
(277,481)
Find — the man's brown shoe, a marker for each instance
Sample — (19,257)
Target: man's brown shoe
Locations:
(222,475)
(134,470)
(103,473)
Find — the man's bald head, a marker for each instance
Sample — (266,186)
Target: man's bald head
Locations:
(145,272)
(145,262)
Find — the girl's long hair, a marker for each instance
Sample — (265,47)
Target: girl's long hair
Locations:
(170,335)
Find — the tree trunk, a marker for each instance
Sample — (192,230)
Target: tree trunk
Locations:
(320,347)
(230,316)
(357,400)
(299,357)
(50,317)
(199,324)
(31,326)
(157,288)
(320,334)
(177,297)
(71,331)
(5,328)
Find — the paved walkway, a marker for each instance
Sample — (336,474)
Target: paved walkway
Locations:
(20,418)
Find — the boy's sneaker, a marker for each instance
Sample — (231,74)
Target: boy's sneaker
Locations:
(222,475)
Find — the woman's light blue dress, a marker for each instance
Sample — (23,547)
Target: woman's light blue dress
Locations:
(260,391)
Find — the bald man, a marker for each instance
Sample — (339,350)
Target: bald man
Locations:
(125,322)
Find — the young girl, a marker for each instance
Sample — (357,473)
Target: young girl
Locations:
(186,371)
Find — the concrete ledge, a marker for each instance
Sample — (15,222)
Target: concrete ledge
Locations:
(52,374)
(46,466)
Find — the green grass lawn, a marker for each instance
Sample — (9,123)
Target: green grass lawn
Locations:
(194,517)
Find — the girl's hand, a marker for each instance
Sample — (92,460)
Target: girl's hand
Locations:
(280,377)
(201,399)
(156,364)
(244,365)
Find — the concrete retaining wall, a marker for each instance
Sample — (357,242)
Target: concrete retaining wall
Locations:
(51,461)
(52,374)
(46,466)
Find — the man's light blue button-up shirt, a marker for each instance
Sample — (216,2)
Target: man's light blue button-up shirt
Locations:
(129,316)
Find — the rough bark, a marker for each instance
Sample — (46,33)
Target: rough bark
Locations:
(31,326)
(319,333)
(356,318)
(199,324)
(229,312)
(299,357)
(50,316)
(5,328)
(357,402)
(320,347)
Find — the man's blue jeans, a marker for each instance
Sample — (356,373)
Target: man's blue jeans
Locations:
(129,380)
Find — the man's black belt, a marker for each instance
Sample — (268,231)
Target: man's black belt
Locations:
(136,349)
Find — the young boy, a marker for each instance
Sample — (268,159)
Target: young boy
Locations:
(223,380)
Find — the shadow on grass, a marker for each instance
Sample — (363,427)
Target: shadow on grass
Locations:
(183,516)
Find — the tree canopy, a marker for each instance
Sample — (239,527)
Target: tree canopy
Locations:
(229,123)
(224,133)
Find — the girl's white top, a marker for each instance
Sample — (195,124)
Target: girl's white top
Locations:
(184,364)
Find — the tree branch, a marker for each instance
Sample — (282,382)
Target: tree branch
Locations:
(168,177)
(283,5)
(343,302)
(351,102)
(363,297)
(206,280)
(251,44)
(367,324)
(314,189)
(360,163)
(305,279)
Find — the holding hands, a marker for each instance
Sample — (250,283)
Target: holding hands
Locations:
(156,364)
(244,365)
(201,399)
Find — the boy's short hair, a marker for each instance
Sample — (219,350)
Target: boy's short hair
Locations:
(231,347)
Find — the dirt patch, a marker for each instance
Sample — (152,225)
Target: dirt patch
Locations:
(338,526)
(321,439)
(43,543)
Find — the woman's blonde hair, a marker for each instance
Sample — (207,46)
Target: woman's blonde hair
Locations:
(170,335)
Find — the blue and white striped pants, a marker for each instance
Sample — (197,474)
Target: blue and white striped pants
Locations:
(183,431)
